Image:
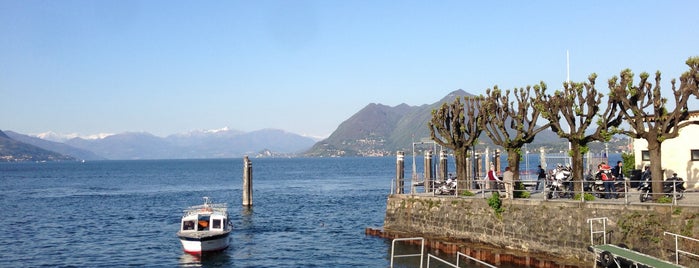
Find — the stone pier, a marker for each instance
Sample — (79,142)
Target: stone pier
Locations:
(554,231)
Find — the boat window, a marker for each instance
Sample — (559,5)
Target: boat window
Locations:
(203,223)
(216,224)
(187,225)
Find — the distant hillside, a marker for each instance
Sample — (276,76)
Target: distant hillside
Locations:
(58,147)
(365,133)
(379,130)
(12,150)
(199,144)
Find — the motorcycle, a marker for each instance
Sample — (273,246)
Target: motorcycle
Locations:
(673,187)
(645,189)
(594,185)
(447,187)
(559,184)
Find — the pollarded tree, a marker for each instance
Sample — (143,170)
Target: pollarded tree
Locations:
(511,126)
(577,106)
(455,126)
(645,110)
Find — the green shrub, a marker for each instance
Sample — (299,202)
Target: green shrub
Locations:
(495,202)
(664,200)
(587,196)
(467,193)
(521,192)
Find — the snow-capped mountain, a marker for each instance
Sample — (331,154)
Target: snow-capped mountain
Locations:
(216,143)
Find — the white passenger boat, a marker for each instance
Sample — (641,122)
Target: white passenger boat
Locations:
(205,228)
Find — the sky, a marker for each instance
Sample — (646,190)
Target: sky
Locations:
(166,67)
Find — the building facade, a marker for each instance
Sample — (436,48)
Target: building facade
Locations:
(679,155)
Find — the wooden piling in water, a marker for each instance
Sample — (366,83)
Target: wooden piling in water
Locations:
(247,182)
(400,171)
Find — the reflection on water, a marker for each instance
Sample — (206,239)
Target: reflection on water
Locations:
(213,259)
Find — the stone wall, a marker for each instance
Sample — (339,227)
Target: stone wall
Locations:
(558,230)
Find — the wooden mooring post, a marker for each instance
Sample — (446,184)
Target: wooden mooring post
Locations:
(247,182)
(400,171)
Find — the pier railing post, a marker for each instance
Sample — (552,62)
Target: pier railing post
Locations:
(443,165)
(400,171)
(247,182)
(428,172)
(497,160)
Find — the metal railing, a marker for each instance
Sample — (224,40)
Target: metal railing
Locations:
(430,257)
(626,191)
(422,249)
(677,248)
(459,255)
(603,221)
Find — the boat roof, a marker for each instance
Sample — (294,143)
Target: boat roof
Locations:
(207,208)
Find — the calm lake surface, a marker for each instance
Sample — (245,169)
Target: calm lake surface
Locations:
(307,212)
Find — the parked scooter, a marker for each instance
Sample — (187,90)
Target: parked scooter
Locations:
(445,187)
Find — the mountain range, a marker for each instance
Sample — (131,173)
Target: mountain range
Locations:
(196,144)
(375,130)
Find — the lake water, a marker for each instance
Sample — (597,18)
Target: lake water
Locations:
(307,212)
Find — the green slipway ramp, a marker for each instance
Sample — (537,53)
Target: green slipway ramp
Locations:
(633,256)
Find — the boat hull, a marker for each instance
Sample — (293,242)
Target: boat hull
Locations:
(201,244)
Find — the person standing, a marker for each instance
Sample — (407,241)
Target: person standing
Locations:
(618,173)
(509,179)
(608,181)
(492,178)
(540,178)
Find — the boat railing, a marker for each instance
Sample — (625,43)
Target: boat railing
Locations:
(219,207)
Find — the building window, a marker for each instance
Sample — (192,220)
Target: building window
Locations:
(695,155)
(645,155)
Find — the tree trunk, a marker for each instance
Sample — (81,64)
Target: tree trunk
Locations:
(656,168)
(513,159)
(577,165)
(462,180)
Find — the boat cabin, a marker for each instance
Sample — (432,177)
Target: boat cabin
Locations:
(203,222)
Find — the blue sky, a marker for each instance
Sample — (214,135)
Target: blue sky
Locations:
(166,67)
